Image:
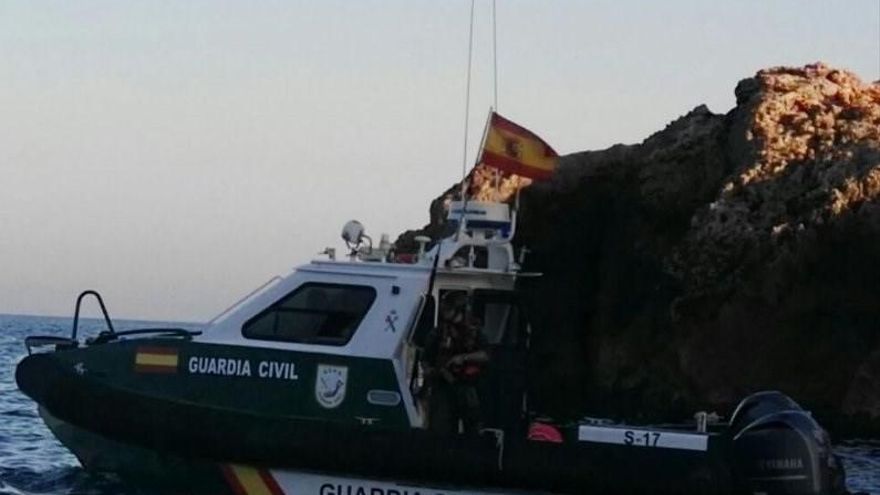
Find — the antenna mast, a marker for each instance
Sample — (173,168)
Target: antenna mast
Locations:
(496,175)
(467,103)
(495,52)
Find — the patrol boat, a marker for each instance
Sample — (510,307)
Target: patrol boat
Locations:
(314,383)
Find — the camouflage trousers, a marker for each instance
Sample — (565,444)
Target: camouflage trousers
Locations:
(451,404)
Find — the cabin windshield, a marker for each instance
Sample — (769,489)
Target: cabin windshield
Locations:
(314,313)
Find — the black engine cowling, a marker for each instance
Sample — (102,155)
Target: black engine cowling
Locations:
(780,449)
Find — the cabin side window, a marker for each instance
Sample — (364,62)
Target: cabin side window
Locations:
(314,313)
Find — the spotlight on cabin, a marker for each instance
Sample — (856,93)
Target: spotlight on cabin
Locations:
(353,234)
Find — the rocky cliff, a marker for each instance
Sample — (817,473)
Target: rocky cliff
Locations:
(722,255)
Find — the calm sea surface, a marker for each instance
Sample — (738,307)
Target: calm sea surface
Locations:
(33,462)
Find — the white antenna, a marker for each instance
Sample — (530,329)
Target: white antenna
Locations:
(496,175)
(464,199)
(467,101)
(495,52)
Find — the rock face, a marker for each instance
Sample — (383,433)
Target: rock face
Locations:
(723,255)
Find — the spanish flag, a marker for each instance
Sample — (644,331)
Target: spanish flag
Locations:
(517,150)
(155,360)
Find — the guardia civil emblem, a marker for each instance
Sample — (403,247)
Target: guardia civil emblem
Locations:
(330,385)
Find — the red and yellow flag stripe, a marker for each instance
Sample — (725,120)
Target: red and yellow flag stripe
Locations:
(517,150)
(246,480)
(155,360)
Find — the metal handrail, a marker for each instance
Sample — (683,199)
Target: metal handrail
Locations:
(105,337)
(32,341)
(103,310)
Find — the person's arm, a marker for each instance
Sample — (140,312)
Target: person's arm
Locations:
(475,357)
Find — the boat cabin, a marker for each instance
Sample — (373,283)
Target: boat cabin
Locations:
(371,308)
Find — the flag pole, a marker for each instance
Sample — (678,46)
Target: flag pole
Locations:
(497,174)
(464,197)
(514,215)
(485,135)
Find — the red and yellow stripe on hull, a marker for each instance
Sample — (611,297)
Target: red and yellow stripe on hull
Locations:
(246,480)
(155,360)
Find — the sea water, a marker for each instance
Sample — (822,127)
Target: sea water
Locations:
(33,462)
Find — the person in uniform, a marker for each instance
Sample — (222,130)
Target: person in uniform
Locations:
(455,354)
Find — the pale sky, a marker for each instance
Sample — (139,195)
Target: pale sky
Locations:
(175,155)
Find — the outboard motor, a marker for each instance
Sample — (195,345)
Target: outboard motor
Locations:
(779,448)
